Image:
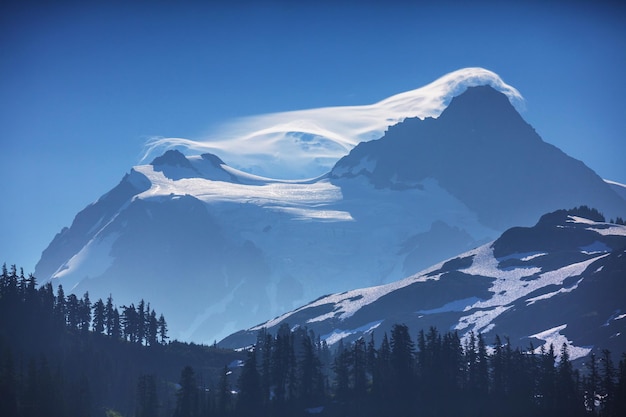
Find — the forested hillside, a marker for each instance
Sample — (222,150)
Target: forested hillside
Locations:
(66,356)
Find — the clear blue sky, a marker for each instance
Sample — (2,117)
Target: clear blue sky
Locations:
(83,86)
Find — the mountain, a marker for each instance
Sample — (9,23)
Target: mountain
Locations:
(219,249)
(562,280)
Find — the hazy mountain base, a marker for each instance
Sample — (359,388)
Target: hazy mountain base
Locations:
(235,248)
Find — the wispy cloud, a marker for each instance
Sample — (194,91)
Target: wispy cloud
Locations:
(307,143)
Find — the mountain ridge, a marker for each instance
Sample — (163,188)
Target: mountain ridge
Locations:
(531,282)
(233,246)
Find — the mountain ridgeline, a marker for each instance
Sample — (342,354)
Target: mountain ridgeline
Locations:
(483,153)
(561,281)
(232,247)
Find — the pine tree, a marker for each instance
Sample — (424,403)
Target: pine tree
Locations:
(187,395)
(567,399)
(129,322)
(147,401)
(99,318)
(72,312)
(141,322)
(109,316)
(60,310)
(162,325)
(84,313)
(482,378)
(310,380)
(620,391)
(224,393)
(402,368)
(592,383)
(152,329)
(607,383)
(341,368)
(249,399)
(282,357)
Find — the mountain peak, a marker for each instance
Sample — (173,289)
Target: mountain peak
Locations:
(171,157)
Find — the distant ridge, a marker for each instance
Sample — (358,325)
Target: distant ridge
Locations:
(235,248)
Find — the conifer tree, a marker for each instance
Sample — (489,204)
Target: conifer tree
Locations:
(162,325)
(60,310)
(224,393)
(607,383)
(187,395)
(565,387)
(109,316)
(84,313)
(72,312)
(147,402)
(249,399)
(99,318)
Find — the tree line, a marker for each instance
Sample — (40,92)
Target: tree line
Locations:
(293,373)
(64,356)
(134,324)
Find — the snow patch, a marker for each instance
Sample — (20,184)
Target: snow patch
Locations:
(553,336)
(526,256)
(552,294)
(92,260)
(338,334)
(595,247)
(458,305)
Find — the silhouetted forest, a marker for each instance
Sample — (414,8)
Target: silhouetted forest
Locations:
(66,356)
(63,355)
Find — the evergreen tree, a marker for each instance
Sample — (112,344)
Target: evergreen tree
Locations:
(72,312)
(482,369)
(116,326)
(109,316)
(282,361)
(187,395)
(402,368)
(310,379)
(84,313)
(147,402)
(162,325)
(620,391)
(249,399)
(99,318)
(592,383)
(341,368)
(129,323)
(547,380)
(141,322)
(359,368)
(567,399)
(607,383)
(60,310)
(8,378)
(224,393)
(263,349)
(152,329)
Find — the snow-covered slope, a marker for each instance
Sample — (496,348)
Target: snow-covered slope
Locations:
(307,143)
(217,249)
(562,280)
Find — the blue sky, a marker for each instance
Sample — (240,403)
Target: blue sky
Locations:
(82,87)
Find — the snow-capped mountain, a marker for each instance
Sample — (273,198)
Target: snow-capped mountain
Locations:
(562,280)
(218,250)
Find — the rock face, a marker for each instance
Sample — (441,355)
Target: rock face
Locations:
(483,153)
(562,280)
(219,250)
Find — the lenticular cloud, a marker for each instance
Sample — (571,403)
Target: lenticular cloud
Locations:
(307,143)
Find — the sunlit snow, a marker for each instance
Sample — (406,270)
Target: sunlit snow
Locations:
(307,143)
(555,338)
